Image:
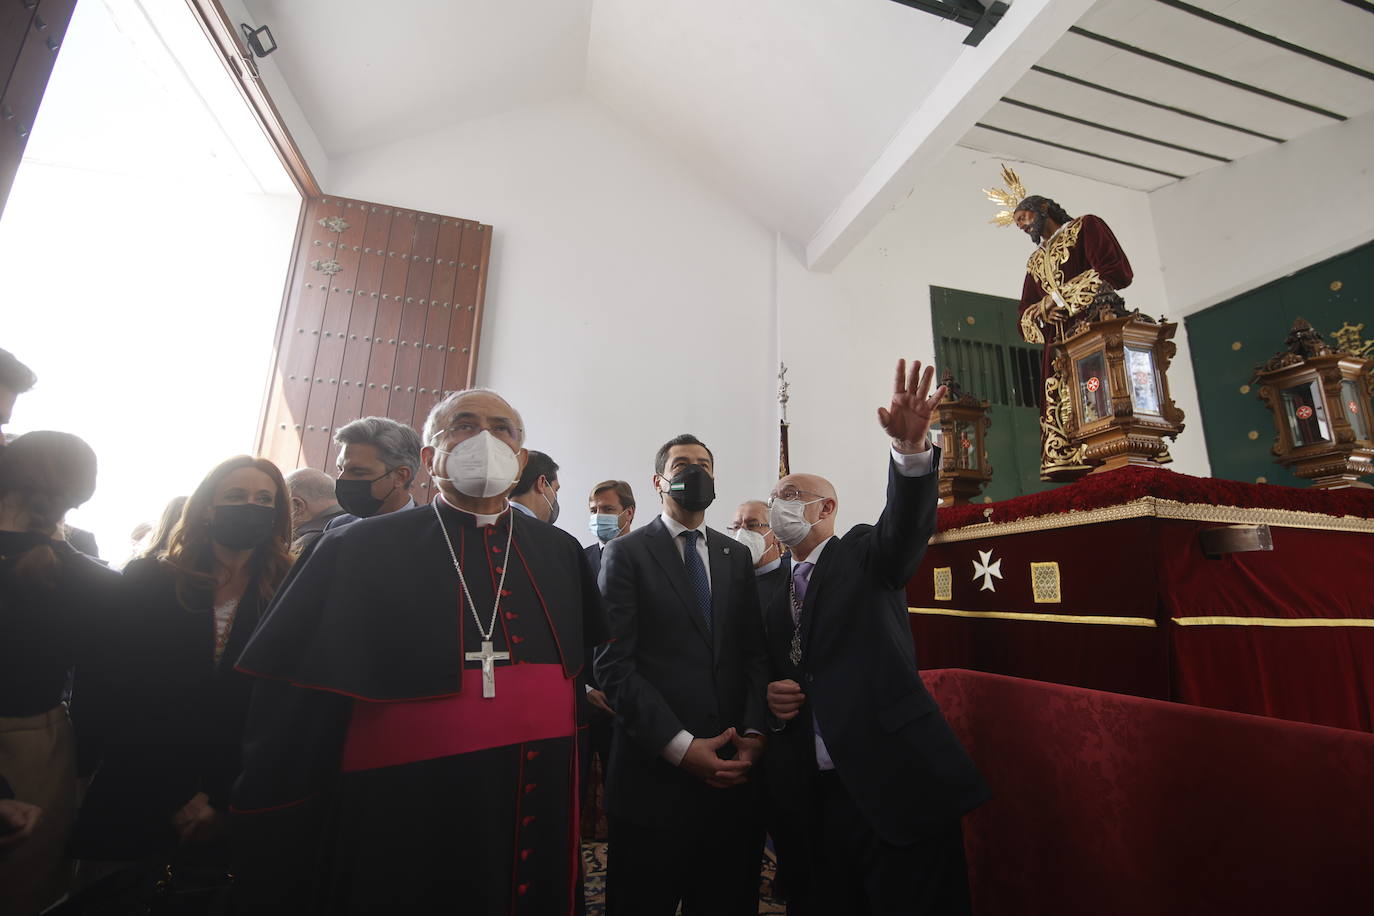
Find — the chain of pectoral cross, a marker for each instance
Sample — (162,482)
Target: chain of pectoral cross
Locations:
(487,656)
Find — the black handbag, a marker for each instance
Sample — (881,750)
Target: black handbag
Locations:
(176,888)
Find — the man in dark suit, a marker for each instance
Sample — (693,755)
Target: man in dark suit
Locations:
(686,670)
(612,507)
(868,770)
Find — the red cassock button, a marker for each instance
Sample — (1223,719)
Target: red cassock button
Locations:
(530,788)
(527,820)
(510,615)
(524,855)
(517,639)
(530,755)
(522,889)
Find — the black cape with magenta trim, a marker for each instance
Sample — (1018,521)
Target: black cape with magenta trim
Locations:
(375,616)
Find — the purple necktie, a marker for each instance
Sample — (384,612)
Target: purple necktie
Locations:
(801,575)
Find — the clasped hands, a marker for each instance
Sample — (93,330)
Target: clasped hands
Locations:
(703,761)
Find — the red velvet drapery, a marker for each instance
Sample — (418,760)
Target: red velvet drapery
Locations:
(1104,803)
(1287,633)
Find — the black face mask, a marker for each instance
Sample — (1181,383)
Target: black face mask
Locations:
(693,488)
(356,496)
(242,527)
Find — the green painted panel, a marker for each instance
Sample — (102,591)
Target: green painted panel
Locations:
(977,339)
(1258,321)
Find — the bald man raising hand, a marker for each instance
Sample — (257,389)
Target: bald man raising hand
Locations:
(872,781)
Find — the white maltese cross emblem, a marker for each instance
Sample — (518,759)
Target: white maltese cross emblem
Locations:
(986,570)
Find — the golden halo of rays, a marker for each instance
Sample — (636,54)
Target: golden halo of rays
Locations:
(1013,194)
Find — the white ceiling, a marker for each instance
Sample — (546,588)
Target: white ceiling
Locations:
(782,103)
(1333,28)
(786,103)
(797,107)
(369,73)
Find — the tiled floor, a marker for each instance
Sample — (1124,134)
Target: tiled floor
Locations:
(594,858)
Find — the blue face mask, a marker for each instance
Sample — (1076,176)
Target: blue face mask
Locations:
(605,527)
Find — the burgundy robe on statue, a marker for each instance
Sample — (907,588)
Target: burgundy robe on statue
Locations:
(1098,249)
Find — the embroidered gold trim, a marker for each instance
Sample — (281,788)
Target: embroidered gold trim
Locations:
(1058,452)
(1274,621)
(944,583)
(1046,263)
(1030,331)
(1039,618)
(1152,506)
(1045,582)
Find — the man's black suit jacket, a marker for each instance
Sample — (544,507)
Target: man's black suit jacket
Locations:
(664,671)
(595,715)
(893,750)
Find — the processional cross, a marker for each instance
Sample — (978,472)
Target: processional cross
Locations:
(487,656)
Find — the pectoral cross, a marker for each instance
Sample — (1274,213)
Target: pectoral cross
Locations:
(486,657)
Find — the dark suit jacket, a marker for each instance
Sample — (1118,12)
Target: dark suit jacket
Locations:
(664,671)
(307,533)
(593,555)
(163,716)
(892,748)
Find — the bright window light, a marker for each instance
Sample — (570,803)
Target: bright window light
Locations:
(144,247)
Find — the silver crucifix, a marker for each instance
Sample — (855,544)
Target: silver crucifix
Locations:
(486,657)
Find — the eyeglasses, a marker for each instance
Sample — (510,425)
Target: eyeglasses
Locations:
(466,429)
(749,525)
(791,494)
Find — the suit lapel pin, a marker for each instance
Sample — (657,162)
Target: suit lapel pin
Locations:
(727,551)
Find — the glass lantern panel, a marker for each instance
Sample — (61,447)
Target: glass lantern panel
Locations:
(1140,369)
(965,445)
(1092,387)
(1305,411)
(1356,408)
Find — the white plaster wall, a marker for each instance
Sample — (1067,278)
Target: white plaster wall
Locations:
(1238,226)
(627,302)
(842,332)
(610,261)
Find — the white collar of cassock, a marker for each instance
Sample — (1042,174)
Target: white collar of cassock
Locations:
(482,521)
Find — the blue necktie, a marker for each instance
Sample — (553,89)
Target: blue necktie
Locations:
(696,574)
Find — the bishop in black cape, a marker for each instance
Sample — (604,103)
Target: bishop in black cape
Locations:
(375,772)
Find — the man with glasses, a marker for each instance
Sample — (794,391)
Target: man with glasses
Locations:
(751,517)
(411,746)
(871,778)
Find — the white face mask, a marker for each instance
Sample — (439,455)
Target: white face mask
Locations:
(787,518)
(754,541)
(482,466)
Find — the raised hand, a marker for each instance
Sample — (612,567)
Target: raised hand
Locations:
(907,419)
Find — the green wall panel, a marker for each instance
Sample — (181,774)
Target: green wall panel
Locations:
(977,339)
(1231,338)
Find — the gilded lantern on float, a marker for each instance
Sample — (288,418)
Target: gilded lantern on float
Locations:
(1320,399)
(1120,408)
(961,433)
